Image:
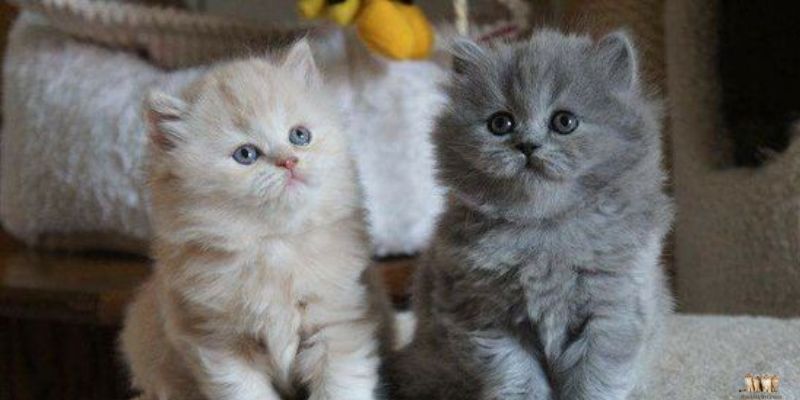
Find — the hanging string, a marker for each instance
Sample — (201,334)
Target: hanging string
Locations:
(462,16)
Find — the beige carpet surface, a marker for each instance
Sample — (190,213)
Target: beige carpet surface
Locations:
(707,357)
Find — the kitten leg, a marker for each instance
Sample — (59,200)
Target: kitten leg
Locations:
(343,362)
(601,363)
(511,372)
(404,326)
(223,375)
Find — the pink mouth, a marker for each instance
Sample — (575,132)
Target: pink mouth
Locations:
(295,179)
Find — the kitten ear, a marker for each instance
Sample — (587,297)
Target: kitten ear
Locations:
(300,60)
(165,119)
(616,56)
(467,56)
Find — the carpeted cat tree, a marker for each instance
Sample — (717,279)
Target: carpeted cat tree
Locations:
(738,229)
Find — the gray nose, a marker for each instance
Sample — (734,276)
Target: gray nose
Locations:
(527,148)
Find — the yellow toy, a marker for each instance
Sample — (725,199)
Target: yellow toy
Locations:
(394,28)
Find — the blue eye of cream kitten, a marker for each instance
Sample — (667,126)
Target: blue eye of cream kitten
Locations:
(300,136)
(246,154)
(543,280)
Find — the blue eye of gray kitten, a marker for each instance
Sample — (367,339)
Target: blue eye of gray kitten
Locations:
(246,154)
(501,123)
(564,122)
(300,136)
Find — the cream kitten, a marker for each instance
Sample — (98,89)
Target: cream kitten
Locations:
(261,289)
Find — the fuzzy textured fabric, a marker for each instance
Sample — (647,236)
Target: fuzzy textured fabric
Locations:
(738,229)
(393,105)
(707,357)
(73,126)
(168,37)
(73,140)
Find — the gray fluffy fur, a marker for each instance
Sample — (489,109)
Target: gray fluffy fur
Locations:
(544,279)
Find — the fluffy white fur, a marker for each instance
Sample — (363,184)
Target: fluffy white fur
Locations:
(72,125)
(261,288)
(390,116)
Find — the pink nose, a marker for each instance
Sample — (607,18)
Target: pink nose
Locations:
(288,162)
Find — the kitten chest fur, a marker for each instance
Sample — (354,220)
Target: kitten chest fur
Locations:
(275,298)
(552,283)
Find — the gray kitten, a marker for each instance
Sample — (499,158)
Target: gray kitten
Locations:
(544,279)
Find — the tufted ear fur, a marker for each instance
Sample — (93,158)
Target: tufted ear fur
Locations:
(616,56)
(164,119)
(300,60)
(468,56)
